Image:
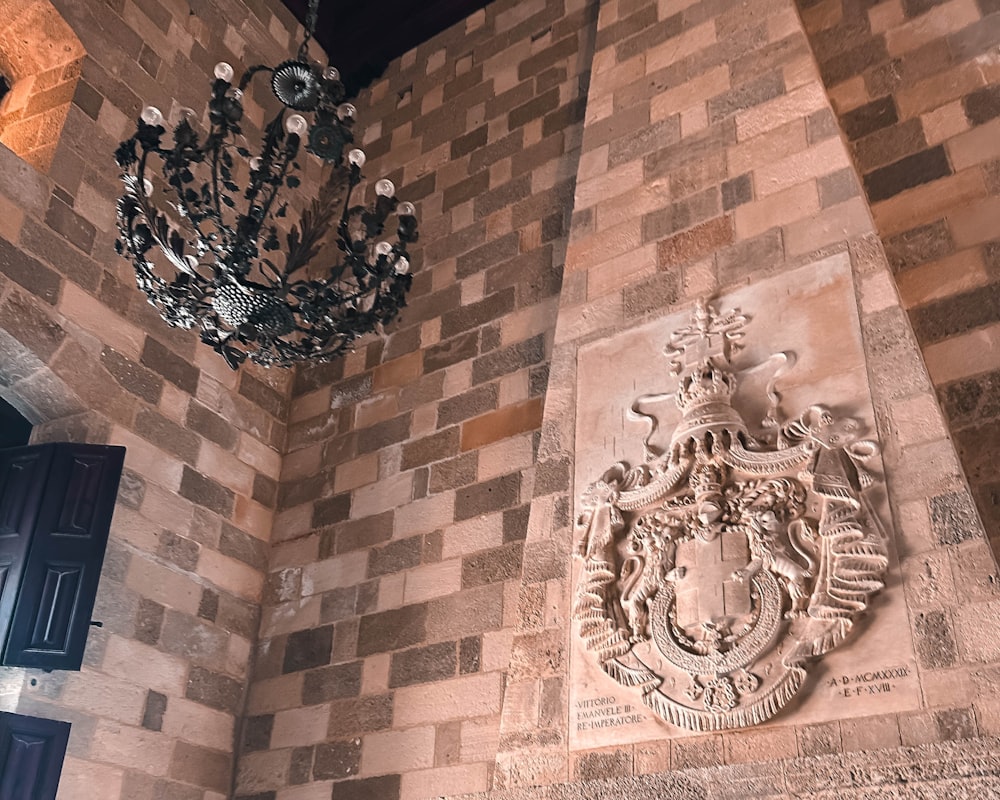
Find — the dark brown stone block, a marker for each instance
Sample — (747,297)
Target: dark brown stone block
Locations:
(384,787)
(338,604)
(493,252)
(496,151)
(214,690)
(383,434)
(206,492)
(869,118)
(451,351)
(751,94)
(262,395)
(955,723)
(149,621)
(509,359)
(953,518)
(394,557)
(257,733)
(982,105)
(174,368)
(337,759)
(167,435)
(365,532)
(502,196)
(889,144)
(600,766)
(434,662)
(486,497)
(243,547)
(470,654)
(975,40)
(934,640)
(265,490)
(959,313)
(331,510)
(392,630)
(208,605)
(466,190)
(132,377)
(300,769)
(906,173)
(693,244)
(363,714)
(332,683)
(533,109)
(491,566)
(210,425)
(70,225)
(155,708)
(919,245)
(308,649)
(453,473)
(302,490)
(542,60)
(199,765)
(562,119)
(837,187)
(656,292)
(626,26)
(475,314)
(515,523)
(312,377)
(178,550)
(690,149)
(652,35)
(682,214)
(736,192)
(29,273)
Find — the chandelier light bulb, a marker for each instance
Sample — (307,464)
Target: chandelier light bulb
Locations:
(191,261)
(331,74)
(357,157)
(402,265)
(147,187)
(235,94)
(385,188)
(406,209)
(383,249)
(255,163)
(346,111)
(151,115)
(296,124)
(224,72)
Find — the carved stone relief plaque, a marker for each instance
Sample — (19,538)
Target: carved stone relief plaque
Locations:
(715,573)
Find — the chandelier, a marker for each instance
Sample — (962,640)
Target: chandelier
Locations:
(219,239)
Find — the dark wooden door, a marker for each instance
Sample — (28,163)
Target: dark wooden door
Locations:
(68,521)
(31,756)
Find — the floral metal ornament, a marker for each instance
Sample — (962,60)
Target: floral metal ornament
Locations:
(713,573)
(217,244)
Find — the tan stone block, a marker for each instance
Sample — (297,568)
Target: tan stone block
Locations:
(296,615)
(781,110)
(822,159)
(765,744)
(973,626)
(963,356)
(375,674)
(652,757)
(870,733)
(616,211)
(690,94)
(943,278)
(823,15)
(886,15)
(947,688)
(917,419)
(424,420)
(321,790)
(275,694)
(941,124)
(225,468)
(782,208)
(478,533)
(11,220)
(931,26)
(132,747)
(353,474)
(975,223)
(303,463)
(460,698)
(878,292)
(397,751)
(148,460)
(505,456)
(379,408)
(432,580)
(975,146)
(388,493)
(231,574)
(630,267)
(454,780)
(161,672)
(105,696)
(521,701)
(164,585)
(300,726)
(837,223)
(99,320)
(390,591)
(928,202)
(928,580)
(939,89)
(680,47)
(593,164)
(80,779)
(334,573)
(480,739)
(198,724)
(263,771)
(609,184)
(424,516)
(694,119)
(767,148)
(527,322)
(608,244)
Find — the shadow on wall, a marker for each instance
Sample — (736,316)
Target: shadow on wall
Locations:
(40,57)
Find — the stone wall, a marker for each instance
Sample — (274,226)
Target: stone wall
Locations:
(155,709)
(404,494)
(916,87)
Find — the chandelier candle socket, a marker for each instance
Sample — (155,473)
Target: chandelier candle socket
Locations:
(208,254)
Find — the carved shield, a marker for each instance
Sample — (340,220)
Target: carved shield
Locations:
(714,572)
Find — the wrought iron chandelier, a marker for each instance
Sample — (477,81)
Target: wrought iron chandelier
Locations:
(208,252)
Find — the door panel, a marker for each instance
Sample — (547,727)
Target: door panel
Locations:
(31,756)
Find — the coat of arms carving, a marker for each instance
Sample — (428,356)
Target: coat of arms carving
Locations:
(714,572)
